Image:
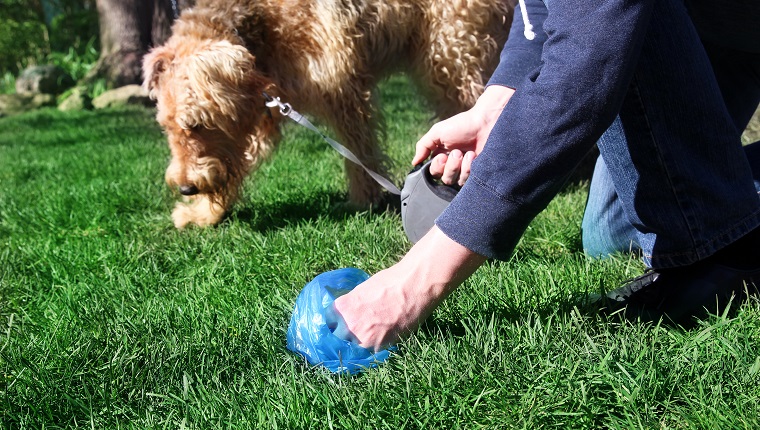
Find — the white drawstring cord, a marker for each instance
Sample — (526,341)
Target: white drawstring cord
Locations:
(528,33)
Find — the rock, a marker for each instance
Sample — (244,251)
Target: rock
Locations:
(122,96)
(12,104)
(78,99)
(47,79)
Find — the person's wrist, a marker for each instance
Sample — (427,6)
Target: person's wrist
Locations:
(440,264)
(493,99)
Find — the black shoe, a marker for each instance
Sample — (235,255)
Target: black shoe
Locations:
(681,294)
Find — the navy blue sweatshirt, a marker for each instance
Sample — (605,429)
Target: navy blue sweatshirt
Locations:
(570,81)
(564,102)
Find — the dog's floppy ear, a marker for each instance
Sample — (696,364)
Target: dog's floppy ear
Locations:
(154,64)
(220,81)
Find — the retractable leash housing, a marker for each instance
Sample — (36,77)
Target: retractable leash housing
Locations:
(422,201)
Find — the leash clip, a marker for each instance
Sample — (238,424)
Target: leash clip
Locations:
(271,102)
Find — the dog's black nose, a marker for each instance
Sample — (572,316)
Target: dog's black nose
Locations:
(188,190)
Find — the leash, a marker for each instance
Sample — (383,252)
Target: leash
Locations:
(288,111)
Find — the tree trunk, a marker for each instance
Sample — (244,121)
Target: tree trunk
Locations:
(128,29)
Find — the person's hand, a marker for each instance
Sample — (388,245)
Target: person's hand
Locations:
(454,143)
(395,301)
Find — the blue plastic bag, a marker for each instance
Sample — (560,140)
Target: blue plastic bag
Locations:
(309,334)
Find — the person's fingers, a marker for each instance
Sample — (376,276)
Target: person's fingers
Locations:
(337,325)
(342,332)
(464,173)
(425,146)
(453,166)
(438,165)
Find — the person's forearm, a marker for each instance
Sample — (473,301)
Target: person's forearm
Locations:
(442,263)
(395,301)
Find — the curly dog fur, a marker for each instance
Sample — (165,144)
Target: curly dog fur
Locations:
(324,57)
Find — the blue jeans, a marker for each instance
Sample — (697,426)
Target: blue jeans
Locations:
(686,138)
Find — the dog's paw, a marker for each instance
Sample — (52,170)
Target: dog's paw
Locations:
(199,210)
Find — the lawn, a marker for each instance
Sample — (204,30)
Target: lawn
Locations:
(112,318)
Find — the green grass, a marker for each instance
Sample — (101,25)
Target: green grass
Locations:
(111,318)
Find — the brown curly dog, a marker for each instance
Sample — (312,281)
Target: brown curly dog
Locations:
(325,58)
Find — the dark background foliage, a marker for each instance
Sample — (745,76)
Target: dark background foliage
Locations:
(63,32)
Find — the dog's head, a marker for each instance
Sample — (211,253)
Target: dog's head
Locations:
(210,104)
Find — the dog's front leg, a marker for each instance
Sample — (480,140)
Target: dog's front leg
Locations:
(357,123)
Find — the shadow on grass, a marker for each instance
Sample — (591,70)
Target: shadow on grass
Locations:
(59,129)
(269,216)
(594,312)
(515,314)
